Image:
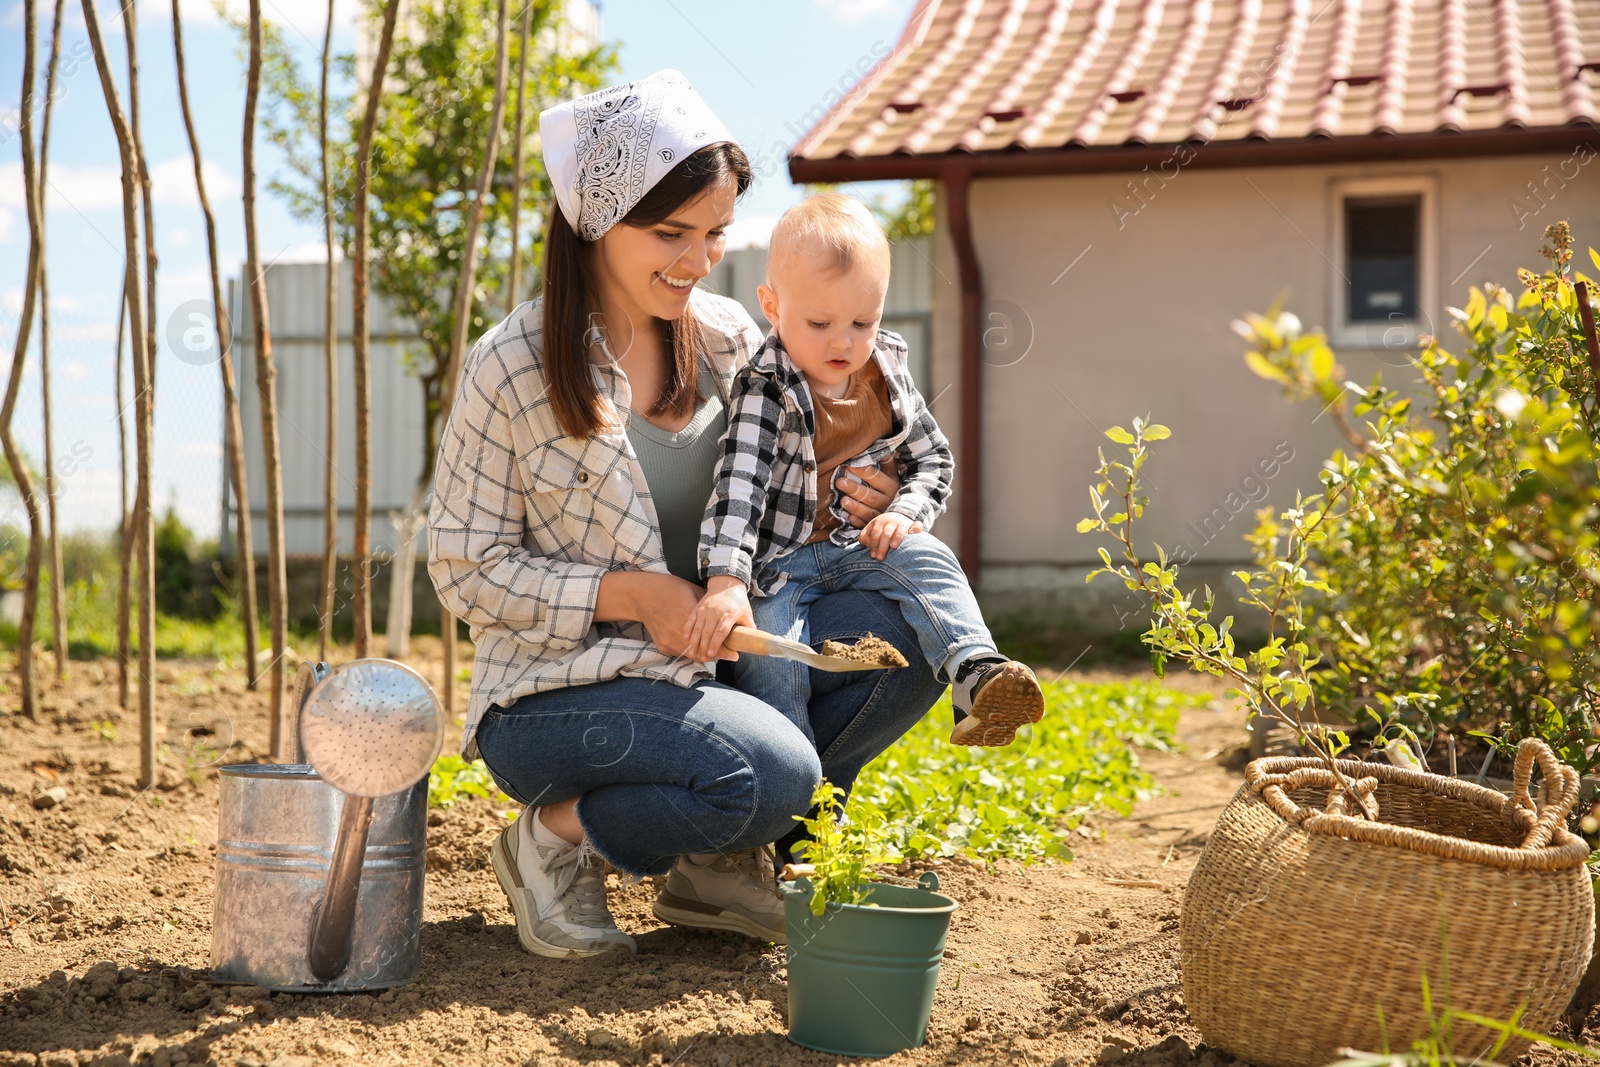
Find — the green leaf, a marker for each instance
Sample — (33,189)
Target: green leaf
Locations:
(1258,363)
(1088,525)
(1156,432)
(1120,436)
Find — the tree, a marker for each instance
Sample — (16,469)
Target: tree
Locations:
(519,143)
(124,522)
(458,342)
(330,310)
(421,186)
(267,390)
(139,530)
(58,585)
(14,456)
(232,425)
(911,217)
(361,565)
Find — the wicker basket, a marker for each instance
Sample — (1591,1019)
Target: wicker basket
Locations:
(1306,930)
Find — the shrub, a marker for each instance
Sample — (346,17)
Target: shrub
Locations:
(1448,577)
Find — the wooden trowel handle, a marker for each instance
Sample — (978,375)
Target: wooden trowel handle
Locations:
(749,639)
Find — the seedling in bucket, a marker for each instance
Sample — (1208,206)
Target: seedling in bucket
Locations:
(864,949)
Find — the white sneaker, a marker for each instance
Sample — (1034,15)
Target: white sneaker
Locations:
(735,891)
(559,898)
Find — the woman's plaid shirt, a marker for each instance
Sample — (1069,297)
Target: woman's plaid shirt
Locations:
(525,520)
(765,500)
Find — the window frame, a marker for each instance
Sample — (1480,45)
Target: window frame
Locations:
(1391,333)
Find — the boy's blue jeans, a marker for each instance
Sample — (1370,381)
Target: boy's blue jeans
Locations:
(921,578)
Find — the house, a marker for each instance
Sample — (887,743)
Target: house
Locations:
(1119,179)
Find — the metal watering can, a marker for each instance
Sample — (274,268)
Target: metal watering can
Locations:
(320,864)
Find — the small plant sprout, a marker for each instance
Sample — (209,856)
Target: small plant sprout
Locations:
(841,852)
(1272,679)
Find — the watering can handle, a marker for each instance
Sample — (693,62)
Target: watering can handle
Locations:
(305,681)
(333,919)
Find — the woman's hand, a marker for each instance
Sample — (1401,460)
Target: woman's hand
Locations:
(725,605)
(662,602)
(863,503)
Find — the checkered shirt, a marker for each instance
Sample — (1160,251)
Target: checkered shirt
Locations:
(525,520)
(764,504)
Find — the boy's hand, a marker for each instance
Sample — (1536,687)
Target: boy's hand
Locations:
(724,606)
(887,531)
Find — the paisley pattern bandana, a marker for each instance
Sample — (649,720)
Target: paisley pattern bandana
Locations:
(605,151)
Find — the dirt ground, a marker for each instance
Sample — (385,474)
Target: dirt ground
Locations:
(105,913)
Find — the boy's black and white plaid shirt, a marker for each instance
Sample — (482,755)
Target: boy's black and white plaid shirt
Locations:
(764,503)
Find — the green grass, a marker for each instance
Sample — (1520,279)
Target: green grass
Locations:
(453,778)
(940,799)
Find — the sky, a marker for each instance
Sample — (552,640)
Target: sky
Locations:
(766,69)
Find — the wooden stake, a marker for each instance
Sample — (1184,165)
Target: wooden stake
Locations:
(141,531)
(19,464)
(267,394)
(58,583)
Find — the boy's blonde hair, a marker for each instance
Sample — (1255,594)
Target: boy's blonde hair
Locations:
(836,232)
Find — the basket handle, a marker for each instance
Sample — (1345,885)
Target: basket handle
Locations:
(1275,789)
(1561,785)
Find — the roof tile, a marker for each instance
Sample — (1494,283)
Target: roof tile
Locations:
(988,75)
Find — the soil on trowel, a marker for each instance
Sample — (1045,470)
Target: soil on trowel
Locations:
(870,649)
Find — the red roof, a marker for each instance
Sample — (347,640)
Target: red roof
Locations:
(985,76)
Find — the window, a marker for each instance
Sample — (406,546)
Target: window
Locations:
(1382,288)
(1382,236)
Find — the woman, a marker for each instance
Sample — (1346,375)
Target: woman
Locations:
(572,476)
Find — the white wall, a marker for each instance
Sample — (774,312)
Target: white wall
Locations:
(1140,325)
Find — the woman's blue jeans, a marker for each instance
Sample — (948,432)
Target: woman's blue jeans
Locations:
(661,770)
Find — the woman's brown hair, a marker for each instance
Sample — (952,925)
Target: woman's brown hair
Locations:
(569,296)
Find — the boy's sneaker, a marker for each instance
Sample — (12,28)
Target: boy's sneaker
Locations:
(996,696)
(559,899)
(737,891)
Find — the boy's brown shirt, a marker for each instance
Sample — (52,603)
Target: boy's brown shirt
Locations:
(845,428)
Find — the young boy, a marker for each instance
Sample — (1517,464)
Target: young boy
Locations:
(828,390)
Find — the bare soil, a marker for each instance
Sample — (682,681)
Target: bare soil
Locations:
(105,911)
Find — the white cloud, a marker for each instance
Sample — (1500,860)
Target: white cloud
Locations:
(8,224)
(751,232)
(11,301)
(305,252)
(88,187)
(198,450)
(172,181)
(849,11)
(84,331)
(13,17)
(300,18)
(75,370)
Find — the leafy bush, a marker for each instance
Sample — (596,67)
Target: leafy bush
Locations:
(939,799)
(1447,579)
(452,778)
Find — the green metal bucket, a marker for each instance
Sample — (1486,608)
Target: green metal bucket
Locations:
(862,976)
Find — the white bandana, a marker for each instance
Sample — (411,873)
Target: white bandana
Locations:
(604,151)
